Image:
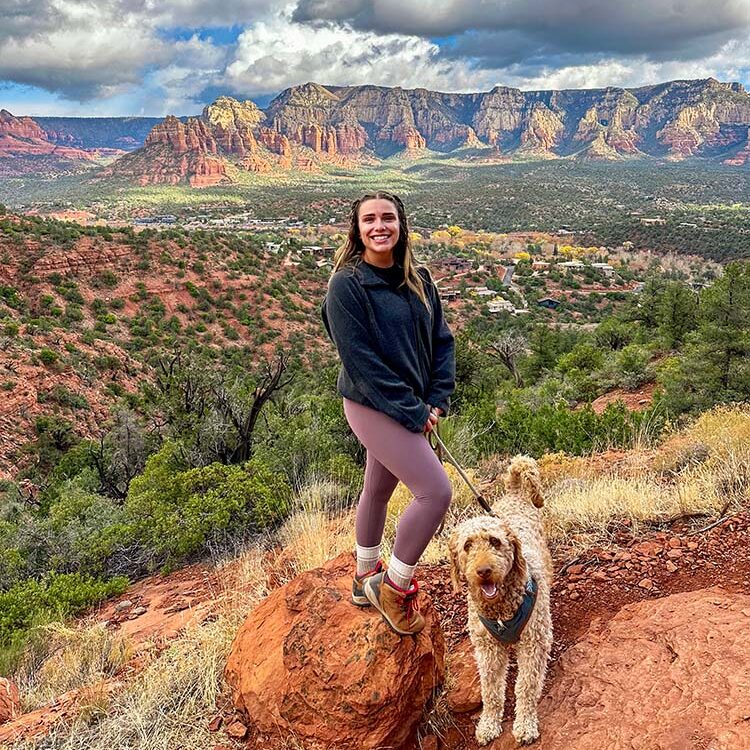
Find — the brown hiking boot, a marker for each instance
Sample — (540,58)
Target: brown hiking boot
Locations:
(398,606)
(358,585)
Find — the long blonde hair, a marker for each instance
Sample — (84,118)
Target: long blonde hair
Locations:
(350,253)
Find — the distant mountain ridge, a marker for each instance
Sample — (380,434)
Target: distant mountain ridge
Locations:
(311,124)
(126,133)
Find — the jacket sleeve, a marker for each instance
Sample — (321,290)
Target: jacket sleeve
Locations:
(346,320)
(443,371)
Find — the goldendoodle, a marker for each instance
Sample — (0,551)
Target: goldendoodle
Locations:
(505,560)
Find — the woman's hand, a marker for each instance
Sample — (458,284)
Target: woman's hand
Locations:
(432,420)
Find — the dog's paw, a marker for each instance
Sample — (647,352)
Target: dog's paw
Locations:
(526,730)
(488,729)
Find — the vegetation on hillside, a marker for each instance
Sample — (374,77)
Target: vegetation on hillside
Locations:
(212,435)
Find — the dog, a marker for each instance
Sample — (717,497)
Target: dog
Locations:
(506,562)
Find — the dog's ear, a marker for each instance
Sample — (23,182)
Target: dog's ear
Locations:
(455,565)
(518,568)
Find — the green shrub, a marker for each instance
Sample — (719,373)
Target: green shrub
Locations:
(174,512)
(48,357)
(35,602)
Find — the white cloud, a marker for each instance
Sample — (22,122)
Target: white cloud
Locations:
(275,54)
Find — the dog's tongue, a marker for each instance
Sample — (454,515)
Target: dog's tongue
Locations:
(488,589)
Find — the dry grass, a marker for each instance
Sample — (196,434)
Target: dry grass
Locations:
(64,658)
(319,529)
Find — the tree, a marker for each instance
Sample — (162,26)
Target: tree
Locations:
(507,347)
(676,313)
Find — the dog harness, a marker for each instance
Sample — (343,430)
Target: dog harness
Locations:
(509,631)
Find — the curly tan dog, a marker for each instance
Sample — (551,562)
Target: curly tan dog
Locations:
(499,557)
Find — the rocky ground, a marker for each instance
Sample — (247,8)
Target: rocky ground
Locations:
(644,631)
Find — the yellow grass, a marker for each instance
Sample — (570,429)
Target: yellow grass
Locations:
(319,529)
(64,658)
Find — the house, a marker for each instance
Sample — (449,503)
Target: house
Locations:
(604,268)
(273,247)
(539,265)
(483,291)
(500,305)
(449,295)
(654,221)
(575,263)
(550,303)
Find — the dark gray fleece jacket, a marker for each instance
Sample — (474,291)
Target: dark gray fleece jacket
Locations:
(397,356)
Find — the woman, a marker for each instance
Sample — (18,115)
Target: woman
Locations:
(384,315)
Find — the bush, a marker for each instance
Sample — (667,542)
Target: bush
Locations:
(31,603)
(175,513)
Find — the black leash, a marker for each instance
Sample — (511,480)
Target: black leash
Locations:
(443,454)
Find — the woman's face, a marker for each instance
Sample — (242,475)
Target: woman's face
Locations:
(379,230)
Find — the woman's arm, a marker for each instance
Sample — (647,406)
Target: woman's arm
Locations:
(346,321)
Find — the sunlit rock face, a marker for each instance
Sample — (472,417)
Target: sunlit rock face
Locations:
(309,125)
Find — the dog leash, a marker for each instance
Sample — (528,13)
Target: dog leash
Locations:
(444,455)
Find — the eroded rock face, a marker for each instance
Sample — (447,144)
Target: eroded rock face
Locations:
(662,674)
(307,662)
(22,137)
(10,702)
(310,125)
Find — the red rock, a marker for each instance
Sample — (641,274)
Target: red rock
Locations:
(237,730)
(692,546)
(660,674)
(675,542)
(671,567)
(647,549)
(306,662)
(646,583)
(214,724)
(674,553)
(430,742)
(575,570)
(464,692)
(10,701)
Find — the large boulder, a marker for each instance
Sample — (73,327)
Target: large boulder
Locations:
(308,663)
(10,703)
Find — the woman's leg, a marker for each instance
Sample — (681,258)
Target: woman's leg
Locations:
(407,456)
(373,502)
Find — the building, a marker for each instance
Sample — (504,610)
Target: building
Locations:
(501,305)
(550,303)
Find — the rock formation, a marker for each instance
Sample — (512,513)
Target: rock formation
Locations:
(665,673)
(10,703)
(26,147)
(308,125)
(308,663)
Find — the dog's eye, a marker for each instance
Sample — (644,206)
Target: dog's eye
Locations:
(467,545)
(495,542)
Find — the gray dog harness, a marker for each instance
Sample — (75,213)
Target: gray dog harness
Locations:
(509,631)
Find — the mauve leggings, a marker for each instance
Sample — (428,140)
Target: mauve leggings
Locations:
(394,453)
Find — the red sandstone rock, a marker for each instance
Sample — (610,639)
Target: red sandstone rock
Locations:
(665,673)
(10,702)
(306,662)
(464,693)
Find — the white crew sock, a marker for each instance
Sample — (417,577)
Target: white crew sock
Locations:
(400,573)
(367,558)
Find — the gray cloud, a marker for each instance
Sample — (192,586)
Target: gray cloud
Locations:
(664,27)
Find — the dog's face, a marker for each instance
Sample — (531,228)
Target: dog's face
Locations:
(487,555)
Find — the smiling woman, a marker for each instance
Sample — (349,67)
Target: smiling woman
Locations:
(383,313)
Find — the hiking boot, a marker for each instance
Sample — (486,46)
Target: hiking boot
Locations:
(398,606)
(358,585)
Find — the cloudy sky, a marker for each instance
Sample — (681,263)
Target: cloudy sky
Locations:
(156,57)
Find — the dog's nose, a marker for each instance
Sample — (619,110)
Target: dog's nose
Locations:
(484,572)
